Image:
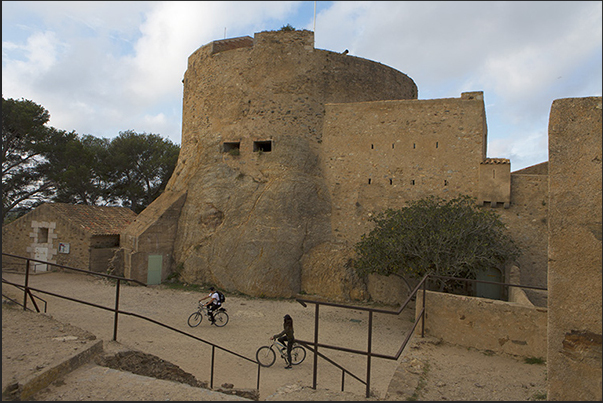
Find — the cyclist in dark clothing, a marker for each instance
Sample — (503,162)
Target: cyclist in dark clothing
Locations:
(286,335)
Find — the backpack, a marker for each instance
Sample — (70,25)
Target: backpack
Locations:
(221,297)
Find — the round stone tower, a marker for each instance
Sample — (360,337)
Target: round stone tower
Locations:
(253,110)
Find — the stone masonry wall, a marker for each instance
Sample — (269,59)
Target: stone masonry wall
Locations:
(378,155)
(485,324)
(152,233)
(20,238)
(528,225)
(251,217)
(574,270)
(279,142)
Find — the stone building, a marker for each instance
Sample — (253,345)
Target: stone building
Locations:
(575,254)
(286,152)
(79,236)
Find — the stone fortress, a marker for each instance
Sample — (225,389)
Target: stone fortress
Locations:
(288,150)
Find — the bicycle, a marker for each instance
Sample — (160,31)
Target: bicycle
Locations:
(220,316)
(266,356)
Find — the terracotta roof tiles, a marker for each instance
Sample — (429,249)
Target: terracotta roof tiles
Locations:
(98,220)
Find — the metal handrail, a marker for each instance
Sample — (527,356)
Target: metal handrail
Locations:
(368,353)
(32,296)
(27,289)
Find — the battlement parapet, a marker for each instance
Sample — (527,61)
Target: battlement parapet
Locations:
(231,43)
(495,161)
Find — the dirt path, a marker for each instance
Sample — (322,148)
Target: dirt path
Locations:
(452,373)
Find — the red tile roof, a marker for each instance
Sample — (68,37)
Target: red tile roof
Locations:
(98,220)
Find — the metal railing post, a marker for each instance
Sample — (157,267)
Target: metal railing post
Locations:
(26,288)
(211,375)
(116,310)
(368,355)
(423,314)
(315,369)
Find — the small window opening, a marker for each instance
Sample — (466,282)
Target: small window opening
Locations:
(493,174)
(372,146)
(233,148)
(412,182)
(42,235)
(262,146)
(393,145)
(369,181)
(414,145)
(445,182)
(436,144)
(391,181)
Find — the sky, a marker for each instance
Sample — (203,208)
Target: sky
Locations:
(102,68)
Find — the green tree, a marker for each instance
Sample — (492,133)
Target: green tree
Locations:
(79,169)
(141,165)
(26,139)
(449,238)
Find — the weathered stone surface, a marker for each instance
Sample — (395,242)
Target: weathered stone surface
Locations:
(251,216)
(575,214)
(327,272)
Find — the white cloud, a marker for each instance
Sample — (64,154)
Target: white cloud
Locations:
(173,30)
(104,67)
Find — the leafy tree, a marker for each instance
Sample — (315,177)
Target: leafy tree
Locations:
(79,169)
(287,27)
(141,165)
(41,163)
(449,238)
(25,141)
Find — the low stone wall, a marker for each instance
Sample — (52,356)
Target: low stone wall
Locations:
(485,324)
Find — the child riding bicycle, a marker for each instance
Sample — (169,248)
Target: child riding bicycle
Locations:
(286,335)
(213,304)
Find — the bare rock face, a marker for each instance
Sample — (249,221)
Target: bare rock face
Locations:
(327,272)
(256,202)
(250,234)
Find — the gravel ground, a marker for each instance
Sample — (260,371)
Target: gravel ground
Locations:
(427,370)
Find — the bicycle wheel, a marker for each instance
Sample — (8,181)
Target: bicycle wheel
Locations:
(265,356)
(195,319)
(221,318)
(298,355)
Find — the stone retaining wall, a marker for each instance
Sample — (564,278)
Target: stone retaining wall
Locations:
(485,324)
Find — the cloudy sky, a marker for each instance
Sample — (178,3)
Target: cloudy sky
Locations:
(100,68)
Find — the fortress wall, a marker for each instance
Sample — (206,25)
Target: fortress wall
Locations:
(379,155)
(574,278)
(495,182)
(275,88)
(527,222)
(485,324)
(250,216)
(153,233)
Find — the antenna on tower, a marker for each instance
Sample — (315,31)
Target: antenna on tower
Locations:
(314,29)
(224,32)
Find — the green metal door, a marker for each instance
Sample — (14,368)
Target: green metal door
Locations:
(485,290)
(154,269)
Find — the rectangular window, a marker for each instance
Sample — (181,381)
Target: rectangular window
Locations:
(42,235)
(233,148)
(262,146)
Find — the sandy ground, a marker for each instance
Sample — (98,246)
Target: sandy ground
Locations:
(434,371)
